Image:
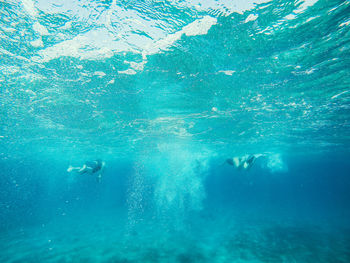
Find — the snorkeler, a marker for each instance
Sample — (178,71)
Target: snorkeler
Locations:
(244,162)
(90,167)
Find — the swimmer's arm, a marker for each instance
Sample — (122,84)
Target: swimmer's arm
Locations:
(99,176)
(101,171)
(103,168)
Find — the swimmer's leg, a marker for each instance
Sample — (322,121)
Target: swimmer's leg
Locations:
(73,169)
(83,169)
(236,162)
(99,178)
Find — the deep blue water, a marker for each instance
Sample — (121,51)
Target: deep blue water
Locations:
(164,92)
(257,215)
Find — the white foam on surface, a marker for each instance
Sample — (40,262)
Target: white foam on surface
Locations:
(100,74)
(40,29)
(345,23)
(111,82)
(114,29)
(100,44)
(198,27)
(127,71)
(339,94)
(304,5)
(30,8)
(223,7)
(91,45)
(251,17)
(290,17)
(37,43)
(227,72)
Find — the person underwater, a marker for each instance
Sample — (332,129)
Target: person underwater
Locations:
(90,167)
(244,162)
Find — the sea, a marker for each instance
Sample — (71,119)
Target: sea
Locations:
(175,131)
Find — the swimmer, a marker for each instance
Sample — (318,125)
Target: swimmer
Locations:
(244,162)
(90,167)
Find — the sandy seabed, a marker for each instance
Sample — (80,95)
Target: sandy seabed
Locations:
(207,239)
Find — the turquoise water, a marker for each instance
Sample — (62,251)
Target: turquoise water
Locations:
(164,92)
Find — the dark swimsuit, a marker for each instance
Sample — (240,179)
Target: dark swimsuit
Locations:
(250,160)
(94,165)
